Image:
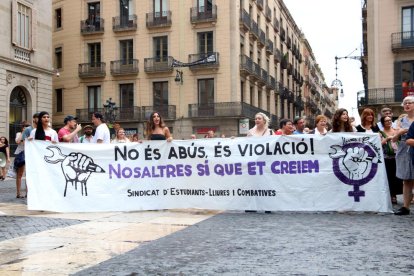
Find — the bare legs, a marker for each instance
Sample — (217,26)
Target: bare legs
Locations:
(19,175)
(408,192)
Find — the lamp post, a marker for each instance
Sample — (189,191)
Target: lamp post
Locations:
(111,110)
(179,77)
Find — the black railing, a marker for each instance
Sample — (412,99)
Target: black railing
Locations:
(200,57)
(245,21)
(124,23)
(379,96)
(246,65)
(92,70)
(262,38)
(226,109)
(276,24)
(168,112)
(201,14)
(254,29)
(158,64)
(271,83)
(277,55)
(124,67)
(402,41)
(268,13)
(158,19)
(259,4)
(95,26)
(124,114)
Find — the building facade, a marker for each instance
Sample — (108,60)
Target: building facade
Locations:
(238,58)
(25,62)
(388,55)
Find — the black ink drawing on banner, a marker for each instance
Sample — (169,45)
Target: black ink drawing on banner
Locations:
(355,164)
(76,167)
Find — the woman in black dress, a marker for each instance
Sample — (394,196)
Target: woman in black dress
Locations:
(156,128)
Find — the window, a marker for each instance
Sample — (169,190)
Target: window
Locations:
(160,97)
(58,18)
(205,42)
(59,100)
(94,97)
(94,54)
(126,95)
(94,14)
(23,25)
(408,24)
(58,57)
(126,54)
(124,10)
(206,91)
(160,8)
(161,48)
(260,99)
(205,6)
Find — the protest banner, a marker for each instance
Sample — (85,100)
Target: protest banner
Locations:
(336,172)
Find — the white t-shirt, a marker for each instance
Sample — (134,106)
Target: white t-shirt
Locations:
(102,133)
(50,135)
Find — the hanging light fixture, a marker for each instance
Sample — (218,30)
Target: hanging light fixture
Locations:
(179,77)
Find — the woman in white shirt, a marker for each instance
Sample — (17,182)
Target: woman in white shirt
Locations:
(44,131)
(320,128)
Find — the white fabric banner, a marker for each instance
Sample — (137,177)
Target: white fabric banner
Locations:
(336,172)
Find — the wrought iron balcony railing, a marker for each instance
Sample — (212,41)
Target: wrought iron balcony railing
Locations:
(124,23)
(268,13)
(269,46)
(158,19)
(124,67)
(202,14)
(246,65)
(158,64)
(245,21)
(124,114)
(92,70)
(402,41)
(225,109)
(380,96)
(168,112)
(202,57)
(277,55)
(254,30)
(95,26)
(262,39)
(276,23)
(259,4)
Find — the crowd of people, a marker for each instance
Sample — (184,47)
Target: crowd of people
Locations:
(397,139)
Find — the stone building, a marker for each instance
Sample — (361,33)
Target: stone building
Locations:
(25,62)
(238,57)
(388,55)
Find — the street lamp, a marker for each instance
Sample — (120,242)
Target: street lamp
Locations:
(111,110)
(179,77)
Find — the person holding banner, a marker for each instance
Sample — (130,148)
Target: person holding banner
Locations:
(405,168)
(156,128)
(102,134)
(120,137)
(286,127)
(368,124)
(341,122)
(43,131)
(320,128)
(261,127)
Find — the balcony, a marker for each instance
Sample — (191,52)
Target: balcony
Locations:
(262,81)
(203,15)
(158,64)
(289,69)
(246,65)
(269,46)
(204,61)
(245,21)
(289,43)
(254,30)
(89,27)
(257,72)
(299,104)
(271,83)
(268,14)
(225,109)
(22,55)
(277,55)
(276,26)
(259,4)
(124,114)
(168,112)
(402,41)
(382,96)
(124,23)
(261,42)
(124,67)
(158,19)
(92,70)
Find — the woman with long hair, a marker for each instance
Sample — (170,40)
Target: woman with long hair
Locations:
(389,148)
(20,150)
(120,137)
(261,127)
(368,122)
(321,125)
(156,128)
(405,168)
(341,122)
(5,149)
(43,131)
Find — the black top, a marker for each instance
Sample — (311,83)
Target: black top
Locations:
(375,129)
(157,137)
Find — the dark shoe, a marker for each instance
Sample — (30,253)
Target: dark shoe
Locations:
(250,211)
(402,212)
(19,196)
(268,212)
